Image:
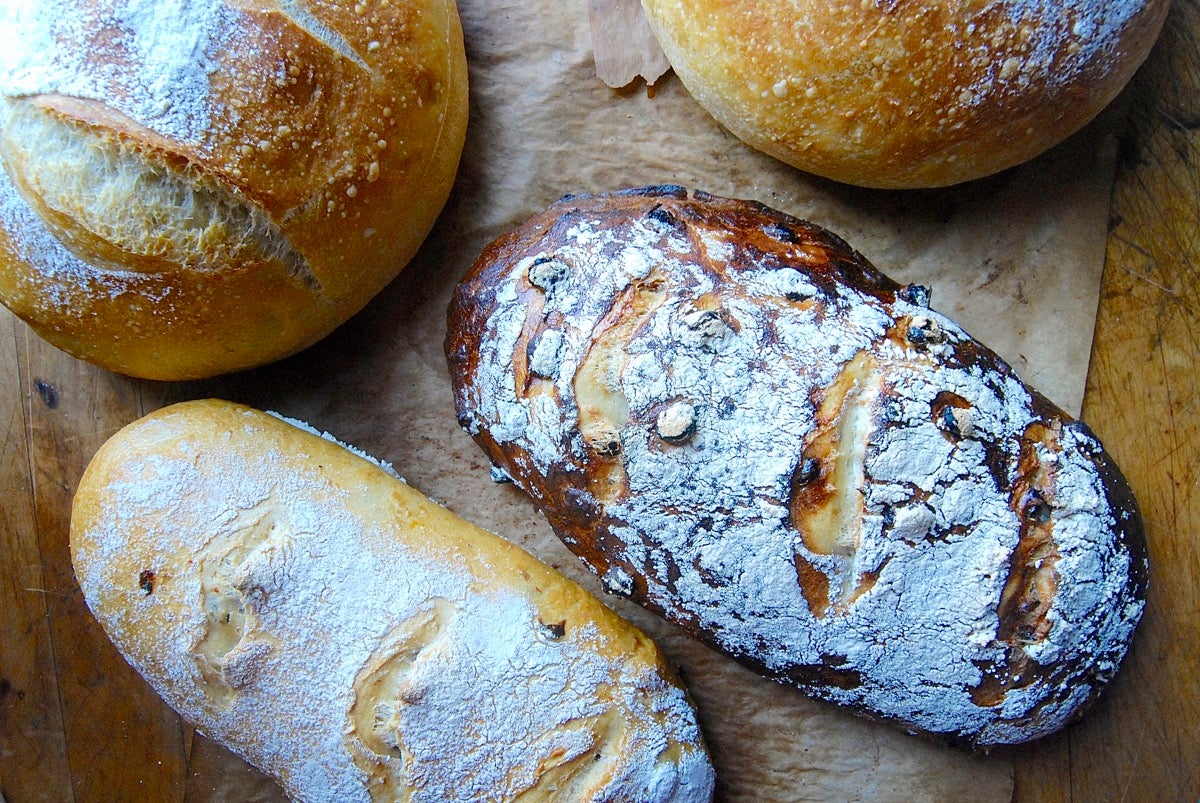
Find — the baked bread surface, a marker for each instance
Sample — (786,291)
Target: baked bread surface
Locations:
(737,421)
(356,641)
(190,190)
(898,94)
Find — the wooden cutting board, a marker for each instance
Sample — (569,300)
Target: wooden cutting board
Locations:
(77,724)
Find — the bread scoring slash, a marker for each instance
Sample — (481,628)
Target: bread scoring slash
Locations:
(195,188)
(740,423)
(300,604)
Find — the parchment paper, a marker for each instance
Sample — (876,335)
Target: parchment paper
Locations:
(1016,259)
(624,46)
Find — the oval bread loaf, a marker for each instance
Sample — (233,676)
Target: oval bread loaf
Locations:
(887,94)
(190,189)
(353,639)
(737,421)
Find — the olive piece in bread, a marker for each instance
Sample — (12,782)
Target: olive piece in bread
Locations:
(306,608)
(740,423)
(888,94)
(192,189)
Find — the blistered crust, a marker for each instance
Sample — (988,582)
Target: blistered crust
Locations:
(190,191)
(888,94)
(739,422)
(309,610)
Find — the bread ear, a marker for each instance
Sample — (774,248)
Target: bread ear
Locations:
(121,198)
(188,194)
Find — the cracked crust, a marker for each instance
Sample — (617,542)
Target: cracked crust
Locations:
(307,609)
(801,463)
(193,192)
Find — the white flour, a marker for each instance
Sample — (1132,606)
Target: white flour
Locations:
(149,59)
(1035,33)
(910,616)
(482,704)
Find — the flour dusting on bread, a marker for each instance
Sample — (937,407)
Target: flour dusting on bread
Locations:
(288,605)
(154,61)
(193,187)
(864,502)
(890,94)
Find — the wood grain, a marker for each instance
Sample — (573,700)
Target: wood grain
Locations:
(32,746)
(77,724)
(110,719)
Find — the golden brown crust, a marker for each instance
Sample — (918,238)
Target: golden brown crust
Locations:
(326,140)
(902,94)
(357,641)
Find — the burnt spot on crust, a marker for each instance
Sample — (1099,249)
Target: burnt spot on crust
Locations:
(675,191)
(808,470)
(916,294)
(785,234)
(662,217)
(953,416)
(828,674)
(682,301)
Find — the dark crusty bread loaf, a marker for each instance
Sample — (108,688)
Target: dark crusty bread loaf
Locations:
(888,94)
(734,419)
(196,188)
(306,608)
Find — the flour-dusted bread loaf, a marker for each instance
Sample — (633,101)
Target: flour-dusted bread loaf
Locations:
(356,641)
(889,94)
(195,188)
(737,421)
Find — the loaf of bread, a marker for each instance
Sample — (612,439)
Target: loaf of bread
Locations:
(737,421)
(190,189)
(356,641)
(888,94)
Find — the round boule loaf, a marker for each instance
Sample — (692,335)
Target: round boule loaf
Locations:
(902,95)
(196,188)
